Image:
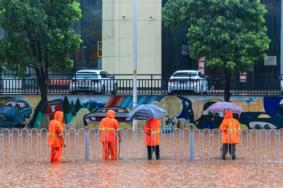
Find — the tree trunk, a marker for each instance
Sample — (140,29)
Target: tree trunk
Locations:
(227,93)
(44,99)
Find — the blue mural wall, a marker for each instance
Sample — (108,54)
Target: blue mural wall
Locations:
(80,110)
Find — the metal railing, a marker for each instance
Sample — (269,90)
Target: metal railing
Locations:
(181,144)
(148,84)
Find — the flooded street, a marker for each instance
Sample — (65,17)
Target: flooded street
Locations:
(24,161)
(141,173)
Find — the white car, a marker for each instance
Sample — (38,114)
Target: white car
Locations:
(188,80)
(93,81)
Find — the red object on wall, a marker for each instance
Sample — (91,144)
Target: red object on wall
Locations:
(53,107)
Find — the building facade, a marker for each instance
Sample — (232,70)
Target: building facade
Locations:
(90,28)
(117,36)
(160,50)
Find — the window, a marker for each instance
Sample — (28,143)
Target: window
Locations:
(185,74)
(105,74)
(86,75)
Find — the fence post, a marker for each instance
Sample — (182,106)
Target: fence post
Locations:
(151,84)
(192,146)
(87,145)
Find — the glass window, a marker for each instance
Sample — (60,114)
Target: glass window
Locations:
(86,75)
(185,74)
(105,74)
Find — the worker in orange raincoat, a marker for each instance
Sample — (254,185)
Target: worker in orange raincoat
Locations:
(55,137)
(230,128)
(152,137)
(108,135)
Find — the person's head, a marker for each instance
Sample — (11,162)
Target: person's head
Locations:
(110,113)
(228,114)
(59,115)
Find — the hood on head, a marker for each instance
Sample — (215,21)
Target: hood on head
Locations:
(110,113)
(228,114)
(59,115)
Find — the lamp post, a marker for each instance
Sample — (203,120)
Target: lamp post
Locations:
(135,39)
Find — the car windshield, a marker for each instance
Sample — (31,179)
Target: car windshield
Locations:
(17,105)
(91,75)
(185,74)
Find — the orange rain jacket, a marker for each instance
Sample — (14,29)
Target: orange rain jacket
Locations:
(108,127)
(55,130)
(152,132)
(230,128)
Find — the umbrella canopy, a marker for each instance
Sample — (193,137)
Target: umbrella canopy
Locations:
(146,111)
(222,106)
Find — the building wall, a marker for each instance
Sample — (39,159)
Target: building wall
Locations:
(90,28)
(117,36)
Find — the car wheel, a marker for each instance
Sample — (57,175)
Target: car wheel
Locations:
(266,126)
(257,126)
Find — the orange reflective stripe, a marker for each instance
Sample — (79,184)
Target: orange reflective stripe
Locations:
(107,129)
(53,134)
(155,132)
(232,127)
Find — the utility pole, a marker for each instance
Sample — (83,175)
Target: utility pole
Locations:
(135,63)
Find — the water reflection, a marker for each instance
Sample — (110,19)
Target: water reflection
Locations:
(56,174)
(141,173)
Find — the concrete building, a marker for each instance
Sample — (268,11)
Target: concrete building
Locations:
(160,50)
(117,36)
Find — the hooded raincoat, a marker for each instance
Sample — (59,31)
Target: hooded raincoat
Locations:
(152,132)
(230,128)
(55,137)
(108,128)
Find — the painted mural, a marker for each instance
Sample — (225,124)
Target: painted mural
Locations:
(182,111)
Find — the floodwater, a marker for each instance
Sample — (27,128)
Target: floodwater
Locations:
(24,162)
(141,173)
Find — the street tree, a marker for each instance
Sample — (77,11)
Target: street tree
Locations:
(230,34)
(38,34)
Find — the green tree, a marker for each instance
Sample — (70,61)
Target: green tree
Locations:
(40,35)
(67,107)
(230,34)
(78,105)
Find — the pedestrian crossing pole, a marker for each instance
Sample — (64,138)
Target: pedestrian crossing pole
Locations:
(135,64)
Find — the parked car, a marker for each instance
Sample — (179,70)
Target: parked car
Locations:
(93,81)
(14,114)
(121,115)
(188,80)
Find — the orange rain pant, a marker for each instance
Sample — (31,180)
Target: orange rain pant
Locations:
(109,148)
(56,154)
